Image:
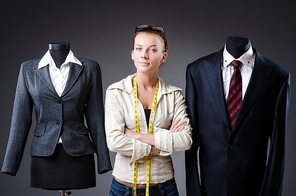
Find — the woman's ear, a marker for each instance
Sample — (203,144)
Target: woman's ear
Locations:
(132,54)
(164,57)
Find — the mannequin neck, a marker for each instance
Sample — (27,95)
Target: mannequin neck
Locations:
(59,52)
(237,46)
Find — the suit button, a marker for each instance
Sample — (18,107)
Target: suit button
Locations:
(230,147)
(59,101)
(59,122)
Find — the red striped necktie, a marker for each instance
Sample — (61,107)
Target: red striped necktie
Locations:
(234,99)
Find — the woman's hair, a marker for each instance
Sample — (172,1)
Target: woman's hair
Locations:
(154,30)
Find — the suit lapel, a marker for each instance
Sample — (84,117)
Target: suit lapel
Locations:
(258,79)
(43,73)
(74,73)
(212,70)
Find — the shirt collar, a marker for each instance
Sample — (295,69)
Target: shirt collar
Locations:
(47,60)
(247,58)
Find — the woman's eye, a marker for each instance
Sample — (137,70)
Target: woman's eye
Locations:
(138,49)
(153,50)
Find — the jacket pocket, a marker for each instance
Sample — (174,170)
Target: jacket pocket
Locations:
(39,130)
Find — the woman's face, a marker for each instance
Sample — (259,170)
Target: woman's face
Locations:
(148,53)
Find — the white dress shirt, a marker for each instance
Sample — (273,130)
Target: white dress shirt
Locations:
(58,76)
(247,59)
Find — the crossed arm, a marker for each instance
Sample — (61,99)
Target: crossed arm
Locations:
(177,126)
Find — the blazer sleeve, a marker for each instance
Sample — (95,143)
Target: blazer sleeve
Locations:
(191,158)
(20,125)
(94,113)
(274,173)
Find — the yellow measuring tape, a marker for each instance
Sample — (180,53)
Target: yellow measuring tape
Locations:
(150,130)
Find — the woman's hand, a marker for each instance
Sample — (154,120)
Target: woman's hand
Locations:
(129,133)
(178,125)
(154,151)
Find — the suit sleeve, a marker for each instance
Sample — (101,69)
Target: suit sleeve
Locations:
(94,112)
(273,179)
(20,126)
(191,158)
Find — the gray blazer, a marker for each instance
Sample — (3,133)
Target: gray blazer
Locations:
(64,116)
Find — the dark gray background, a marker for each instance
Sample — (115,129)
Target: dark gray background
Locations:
(102,31)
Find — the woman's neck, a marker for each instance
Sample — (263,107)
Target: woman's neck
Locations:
(146,81)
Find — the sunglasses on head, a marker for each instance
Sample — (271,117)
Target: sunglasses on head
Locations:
(145,26)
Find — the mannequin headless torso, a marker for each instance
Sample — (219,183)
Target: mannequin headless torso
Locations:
(62,171)
(237,46)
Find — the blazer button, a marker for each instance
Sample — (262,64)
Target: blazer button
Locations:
(59,101)
(59,122)
(230,147)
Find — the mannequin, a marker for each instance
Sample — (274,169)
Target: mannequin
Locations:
(59,52)
(246,158)
(69,127)
(61,171)
(237,45)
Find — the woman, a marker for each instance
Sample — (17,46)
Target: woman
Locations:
(146,121)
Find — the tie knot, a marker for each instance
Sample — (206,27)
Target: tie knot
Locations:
(236,64)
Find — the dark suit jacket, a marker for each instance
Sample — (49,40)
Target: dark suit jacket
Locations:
(57,116)
(235,162)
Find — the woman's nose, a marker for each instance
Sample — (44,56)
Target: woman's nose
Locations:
(145,55)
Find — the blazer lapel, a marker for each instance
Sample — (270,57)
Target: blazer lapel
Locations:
(74,73)
(43,73)
(258,79)
(214,77)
